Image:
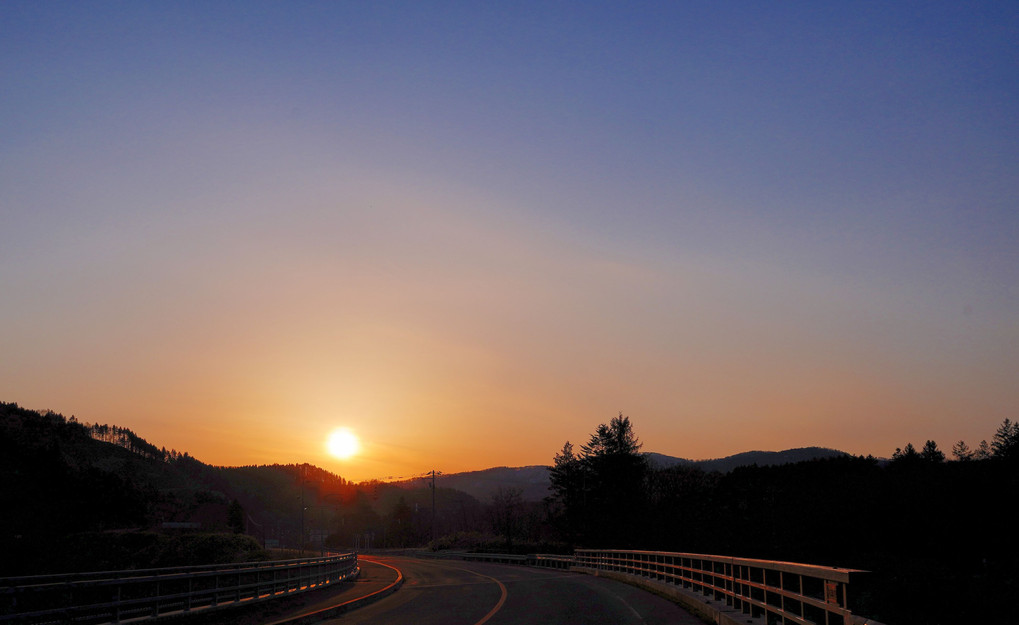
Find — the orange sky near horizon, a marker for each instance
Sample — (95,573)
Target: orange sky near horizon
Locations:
(246,356)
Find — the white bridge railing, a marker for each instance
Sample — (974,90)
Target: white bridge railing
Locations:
(118,596)
(776,592)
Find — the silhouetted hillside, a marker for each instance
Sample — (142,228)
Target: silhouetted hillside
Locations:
(60,478)
(65,485)
(532,481)
(746,459)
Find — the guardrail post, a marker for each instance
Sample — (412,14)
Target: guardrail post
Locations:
(116,605)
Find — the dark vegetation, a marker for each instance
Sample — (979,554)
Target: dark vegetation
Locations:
(111,551)
(938,535)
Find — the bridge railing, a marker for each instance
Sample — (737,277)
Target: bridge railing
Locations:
(118,596)
(778,592)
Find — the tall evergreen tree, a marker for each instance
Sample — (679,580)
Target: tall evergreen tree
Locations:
(1006,440)
(616,473)
(931,453)
(983,451)
(566,481)
(961,451)
(235,517)
(602,491)
(907,454)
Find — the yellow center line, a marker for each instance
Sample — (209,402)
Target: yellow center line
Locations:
(502,599)
(498,606)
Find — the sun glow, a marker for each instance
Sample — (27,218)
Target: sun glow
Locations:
(343,444)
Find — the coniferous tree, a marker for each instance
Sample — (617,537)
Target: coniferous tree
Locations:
(235,517)
(1006,440)
(401,524)
(961,452)
(983,451)
(931,453)
(507,510)
(616,474)
(566,481)
(603,490)
(906,454)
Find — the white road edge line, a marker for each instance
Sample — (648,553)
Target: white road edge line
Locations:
(621,600)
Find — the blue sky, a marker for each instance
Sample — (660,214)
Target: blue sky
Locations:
(745,226)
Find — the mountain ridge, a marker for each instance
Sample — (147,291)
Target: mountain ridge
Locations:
(533,480)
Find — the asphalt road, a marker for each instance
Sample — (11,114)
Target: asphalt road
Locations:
(452,592)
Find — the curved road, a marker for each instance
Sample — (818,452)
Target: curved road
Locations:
(452,592)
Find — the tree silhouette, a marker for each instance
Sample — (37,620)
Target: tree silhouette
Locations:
(401,524)
(961,452)
(983,451)
(931,453)
(235,517)
(1005,443)
(566,481)
(615,439)
(603,492)
(905,455)
(507,507)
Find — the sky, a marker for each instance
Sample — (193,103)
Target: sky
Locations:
(470,232)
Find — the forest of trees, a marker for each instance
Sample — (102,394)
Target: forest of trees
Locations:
(938,536)
(937,533)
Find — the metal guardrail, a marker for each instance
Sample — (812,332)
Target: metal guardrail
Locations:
(501,558)
(531,559)
(551,561)
(778,592)
(119,596)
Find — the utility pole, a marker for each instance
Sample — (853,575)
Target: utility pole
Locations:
(261,527)
(300,541)
(433,506)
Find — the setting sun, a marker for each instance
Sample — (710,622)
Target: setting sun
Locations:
(342,443)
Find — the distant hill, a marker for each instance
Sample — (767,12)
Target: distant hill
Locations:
(533,481)
(746,459)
